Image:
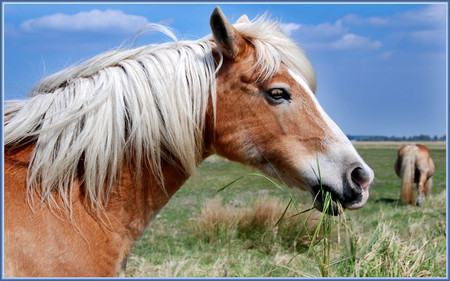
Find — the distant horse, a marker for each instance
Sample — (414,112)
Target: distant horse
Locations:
(98,149)
(414,165)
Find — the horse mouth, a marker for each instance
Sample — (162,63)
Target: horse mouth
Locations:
(327,200)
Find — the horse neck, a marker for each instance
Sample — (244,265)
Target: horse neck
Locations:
(135,204)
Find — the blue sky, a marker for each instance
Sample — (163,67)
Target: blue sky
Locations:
(381,67)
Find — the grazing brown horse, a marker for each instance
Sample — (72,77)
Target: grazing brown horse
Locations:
(98,149)
(414,165)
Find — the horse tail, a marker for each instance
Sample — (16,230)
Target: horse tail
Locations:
(407,174)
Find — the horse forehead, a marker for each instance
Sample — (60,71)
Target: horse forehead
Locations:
(283,75)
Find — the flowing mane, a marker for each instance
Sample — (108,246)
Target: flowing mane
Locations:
(143,105)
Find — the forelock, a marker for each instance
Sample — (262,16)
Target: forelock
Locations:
(273,47)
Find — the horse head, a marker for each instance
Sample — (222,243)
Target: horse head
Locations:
(267,115)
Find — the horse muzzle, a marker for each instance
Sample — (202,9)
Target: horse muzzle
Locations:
(353,194)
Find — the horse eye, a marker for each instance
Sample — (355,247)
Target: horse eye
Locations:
(278,95)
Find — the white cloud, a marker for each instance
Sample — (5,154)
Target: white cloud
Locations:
(352,41)
(428,36)
(386,55)
(423,23)
(288,28)
(353,19)
(434,14)
(94,20)
(323,30)
(333,35)
(430,15)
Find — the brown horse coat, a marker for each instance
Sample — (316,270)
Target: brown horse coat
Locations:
(414,165)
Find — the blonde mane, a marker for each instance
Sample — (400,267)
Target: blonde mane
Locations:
(143,106)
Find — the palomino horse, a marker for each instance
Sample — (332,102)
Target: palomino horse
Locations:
(98,149)
(414,165)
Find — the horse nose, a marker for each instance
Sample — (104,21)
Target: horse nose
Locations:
(361,177)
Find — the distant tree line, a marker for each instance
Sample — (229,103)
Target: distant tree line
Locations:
(395,138)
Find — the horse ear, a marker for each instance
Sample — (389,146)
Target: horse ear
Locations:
(243,19)
(226,36)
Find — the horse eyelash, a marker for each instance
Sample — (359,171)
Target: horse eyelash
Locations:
(284,95)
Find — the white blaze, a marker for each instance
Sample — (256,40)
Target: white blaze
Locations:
(339,152)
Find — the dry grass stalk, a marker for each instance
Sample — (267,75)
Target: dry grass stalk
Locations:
(218,222)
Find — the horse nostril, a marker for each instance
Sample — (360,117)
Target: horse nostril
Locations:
(361,177)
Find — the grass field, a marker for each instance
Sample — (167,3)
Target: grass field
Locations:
(236,232)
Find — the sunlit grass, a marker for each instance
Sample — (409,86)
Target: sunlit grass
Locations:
(383,239)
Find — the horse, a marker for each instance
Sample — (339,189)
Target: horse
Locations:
(414,165)
(97,149)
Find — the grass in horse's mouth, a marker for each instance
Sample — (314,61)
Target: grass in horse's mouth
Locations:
(327,201)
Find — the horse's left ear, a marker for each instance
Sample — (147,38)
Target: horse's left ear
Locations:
(226,36)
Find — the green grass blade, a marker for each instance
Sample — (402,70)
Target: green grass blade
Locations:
(284,213)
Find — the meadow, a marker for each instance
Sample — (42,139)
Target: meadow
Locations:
(253,228)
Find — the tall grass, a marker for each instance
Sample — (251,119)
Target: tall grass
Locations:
(258,226)
(415,249)
(383,239)
(325,221)
(217,223)
(242,241)
(338,246)
(302,225)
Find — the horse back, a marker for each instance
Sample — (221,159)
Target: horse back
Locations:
(423,161)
